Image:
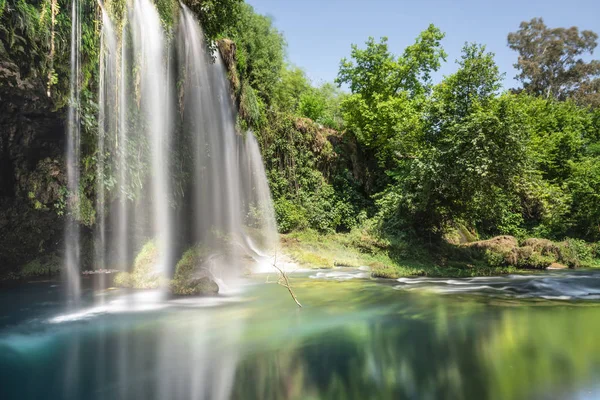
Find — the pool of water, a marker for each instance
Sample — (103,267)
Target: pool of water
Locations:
(515,337)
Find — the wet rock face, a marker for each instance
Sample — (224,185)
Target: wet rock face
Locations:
(31,169)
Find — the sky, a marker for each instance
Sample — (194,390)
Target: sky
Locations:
(319,32)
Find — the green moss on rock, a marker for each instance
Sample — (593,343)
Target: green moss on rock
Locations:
(194,287)
(190,279)
(123,279)
(143,275)
(533,253)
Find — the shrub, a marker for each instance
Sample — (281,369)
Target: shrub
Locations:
(43,266)
(290,216)
(574,253)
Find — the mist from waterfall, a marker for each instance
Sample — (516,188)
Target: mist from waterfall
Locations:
(72,233)
(144,141)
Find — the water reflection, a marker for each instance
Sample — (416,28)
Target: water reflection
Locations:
(354,339)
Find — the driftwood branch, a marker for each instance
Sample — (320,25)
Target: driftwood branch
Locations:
(284,281)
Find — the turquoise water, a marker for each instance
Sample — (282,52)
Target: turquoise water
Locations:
(355,338)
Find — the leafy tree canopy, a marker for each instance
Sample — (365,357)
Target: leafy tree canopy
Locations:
(550,61)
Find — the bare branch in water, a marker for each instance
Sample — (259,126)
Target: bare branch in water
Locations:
(284,281)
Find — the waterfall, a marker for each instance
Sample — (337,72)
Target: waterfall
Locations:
(149,45)
(121,235)
(107,122)
(107,125)
(229,180)
(260,193)
(72,234)
(142,137)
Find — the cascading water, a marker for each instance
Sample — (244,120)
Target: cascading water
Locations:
(72,234)
(107,102)
(227,190)
(121,214)
(149,45)
(257,186)
(140,142)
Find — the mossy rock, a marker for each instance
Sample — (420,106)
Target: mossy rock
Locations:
(459,234)
(190,279)
(190,262)
(570,252)
(543,246)
(505,251)
(526,257)
(194,287)
(144,275)
(498,244)
(123,279)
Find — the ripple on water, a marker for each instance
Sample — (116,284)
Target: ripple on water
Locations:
(553,286)
(342,274)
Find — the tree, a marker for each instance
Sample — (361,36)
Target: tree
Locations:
(387,91)
(260,51)
(215,15)
(550,62)
(322,105)
(584,186)
(467,162)
(477,80)
(312,105)
(375,71)
(292,84)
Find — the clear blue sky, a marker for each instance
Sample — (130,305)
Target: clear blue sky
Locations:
(319,32)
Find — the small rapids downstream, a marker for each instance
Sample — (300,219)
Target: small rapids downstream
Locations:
(563,285)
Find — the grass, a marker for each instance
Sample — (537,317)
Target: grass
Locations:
(389,259)
(311,249)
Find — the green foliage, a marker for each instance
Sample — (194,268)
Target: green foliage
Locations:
(375,72)
(468,158)
(216,16)
(190,262)
(123,279)
(308,176)
(290,216)
(575,253)
(383,110)
(43,266)
(550,63)
(292,85)
(311,106)
(260,50)
(584,188)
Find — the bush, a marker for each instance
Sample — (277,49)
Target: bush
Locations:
(574,253)
(43,266)
(290,216)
